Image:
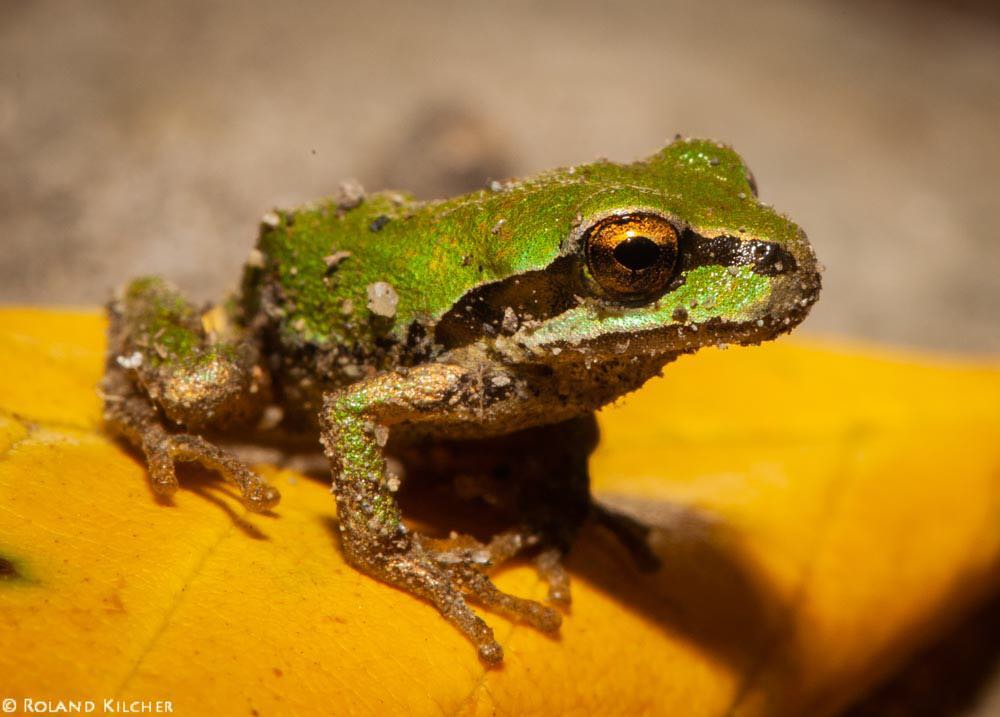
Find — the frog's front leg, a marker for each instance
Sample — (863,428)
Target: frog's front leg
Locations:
(168,376)
(355,424)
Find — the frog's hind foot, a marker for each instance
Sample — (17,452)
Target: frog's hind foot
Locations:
(133,417)
(164,450)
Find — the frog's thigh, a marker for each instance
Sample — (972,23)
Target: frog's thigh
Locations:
(158,341)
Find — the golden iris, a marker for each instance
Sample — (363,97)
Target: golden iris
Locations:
(632,256)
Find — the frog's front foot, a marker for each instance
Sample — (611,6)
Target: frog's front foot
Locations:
(548,562)
(470,561)
(446,572)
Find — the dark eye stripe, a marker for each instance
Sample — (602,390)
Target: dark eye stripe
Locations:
(764,257)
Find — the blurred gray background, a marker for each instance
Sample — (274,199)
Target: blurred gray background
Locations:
(150,137)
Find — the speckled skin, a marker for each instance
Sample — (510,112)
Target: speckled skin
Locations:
(498,338)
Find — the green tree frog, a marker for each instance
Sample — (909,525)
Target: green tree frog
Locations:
(473,336)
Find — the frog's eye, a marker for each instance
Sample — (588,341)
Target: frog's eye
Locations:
(632,256)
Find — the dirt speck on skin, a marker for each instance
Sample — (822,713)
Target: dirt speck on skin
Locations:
(382,299)
(378,223)
(333,260)
(350,194)
(510,321)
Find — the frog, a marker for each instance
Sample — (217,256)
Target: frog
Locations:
(473,337)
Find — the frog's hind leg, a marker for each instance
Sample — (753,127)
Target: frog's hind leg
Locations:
(164,367)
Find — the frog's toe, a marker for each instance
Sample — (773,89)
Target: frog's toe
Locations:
(552,571)
(407,562)
(482,590)
(465,567)
(162,476)
(262,497)
(548,562)
(491,653)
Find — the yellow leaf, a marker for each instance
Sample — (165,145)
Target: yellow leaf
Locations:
(821,512)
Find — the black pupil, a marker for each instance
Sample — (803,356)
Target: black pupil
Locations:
(637,253)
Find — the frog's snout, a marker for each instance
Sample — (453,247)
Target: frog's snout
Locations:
(796,289)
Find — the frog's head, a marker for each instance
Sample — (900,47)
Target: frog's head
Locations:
(671,254)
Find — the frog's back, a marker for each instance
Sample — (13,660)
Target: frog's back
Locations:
(316,269)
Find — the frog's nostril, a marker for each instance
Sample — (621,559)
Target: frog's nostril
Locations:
(637,253)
